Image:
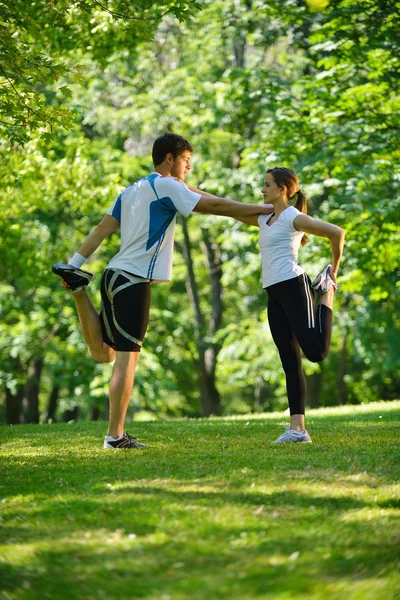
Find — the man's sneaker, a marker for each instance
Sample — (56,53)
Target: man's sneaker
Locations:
(291,435)
(324,282)
(125,441)
(75,278)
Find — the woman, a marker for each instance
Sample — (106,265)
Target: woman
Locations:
(291,316)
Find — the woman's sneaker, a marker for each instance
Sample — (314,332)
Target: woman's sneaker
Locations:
(76,279)
(125,441)
(324,282)
(291,435)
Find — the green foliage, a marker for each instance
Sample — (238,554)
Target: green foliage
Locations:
(38,46)
(309,86)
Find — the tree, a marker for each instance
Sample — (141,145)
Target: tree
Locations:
(39,43)
(314,90)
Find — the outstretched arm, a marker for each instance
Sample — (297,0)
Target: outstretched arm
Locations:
(334,233)
(249,219)
(105,228)
(197,191)
(252,219)
(213,205)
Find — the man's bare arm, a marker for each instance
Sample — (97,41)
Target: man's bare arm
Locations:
(213,205)
(250,220)
(207,195)
(104,229)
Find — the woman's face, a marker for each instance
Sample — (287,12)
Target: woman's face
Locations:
(271,191)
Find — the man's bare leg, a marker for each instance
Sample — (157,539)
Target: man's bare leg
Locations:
(121,386)
(91,328)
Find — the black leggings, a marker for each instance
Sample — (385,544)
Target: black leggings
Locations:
(295,325)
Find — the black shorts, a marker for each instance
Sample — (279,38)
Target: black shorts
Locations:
(125,306)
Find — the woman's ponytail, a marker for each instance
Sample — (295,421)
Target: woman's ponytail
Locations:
(301,205)
(301,202)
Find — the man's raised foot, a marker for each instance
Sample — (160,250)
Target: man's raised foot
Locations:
(76,279)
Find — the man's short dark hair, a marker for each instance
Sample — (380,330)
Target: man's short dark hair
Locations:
(169,143)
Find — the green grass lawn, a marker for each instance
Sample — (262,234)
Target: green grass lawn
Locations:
(209,510)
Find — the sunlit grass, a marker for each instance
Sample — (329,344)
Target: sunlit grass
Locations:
(209,510)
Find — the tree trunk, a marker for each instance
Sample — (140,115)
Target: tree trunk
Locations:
(258,386)
(14,406)
(210,399)
(314,383)
(52,404)
(31,395)
(214,264)
(70,414)
(95,413)
(341,397)
(239,49)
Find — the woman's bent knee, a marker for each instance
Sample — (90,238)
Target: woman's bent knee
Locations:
(316,357)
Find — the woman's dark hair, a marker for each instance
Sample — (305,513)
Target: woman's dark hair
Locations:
(288,178)
(169,143)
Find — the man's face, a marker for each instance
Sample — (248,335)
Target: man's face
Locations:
(181,165)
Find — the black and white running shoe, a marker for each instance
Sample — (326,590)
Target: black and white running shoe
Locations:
(75,278)
(125,441)
(324,282)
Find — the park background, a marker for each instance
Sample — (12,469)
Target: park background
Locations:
(85,89)
(210,509)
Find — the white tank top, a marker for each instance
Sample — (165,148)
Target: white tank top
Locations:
(279,245)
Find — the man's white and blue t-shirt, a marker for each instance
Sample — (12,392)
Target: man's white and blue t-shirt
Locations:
(147,214)
(279,245)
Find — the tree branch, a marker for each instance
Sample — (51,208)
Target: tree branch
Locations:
(18,96)
(121,16)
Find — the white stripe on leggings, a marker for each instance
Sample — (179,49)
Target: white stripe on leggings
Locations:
(310,308)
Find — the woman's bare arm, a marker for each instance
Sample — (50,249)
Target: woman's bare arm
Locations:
(322,229)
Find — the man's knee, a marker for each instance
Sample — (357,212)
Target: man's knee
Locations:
(105,355)
(127,359)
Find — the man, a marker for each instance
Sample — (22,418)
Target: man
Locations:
(146,212)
